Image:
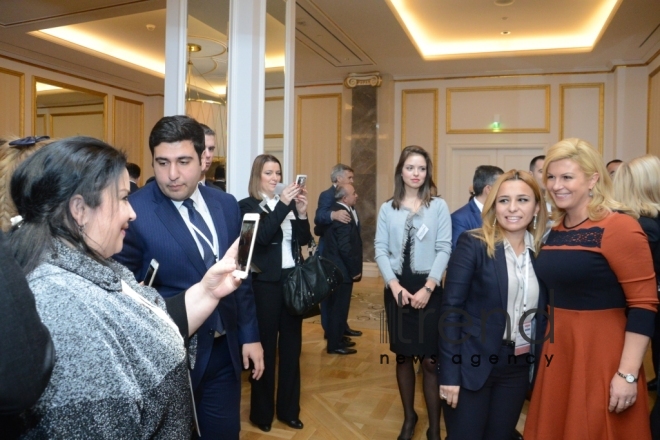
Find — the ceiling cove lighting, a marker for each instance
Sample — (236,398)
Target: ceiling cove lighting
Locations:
(97,44)
(432,44)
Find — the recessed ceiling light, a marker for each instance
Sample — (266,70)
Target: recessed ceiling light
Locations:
(505,32)
(504,2)
(151,27)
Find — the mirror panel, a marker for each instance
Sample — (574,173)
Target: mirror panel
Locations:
(62,110)
(206,83)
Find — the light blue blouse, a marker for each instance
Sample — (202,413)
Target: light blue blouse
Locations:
(430,250)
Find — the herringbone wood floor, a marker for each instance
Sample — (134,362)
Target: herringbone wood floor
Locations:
(355,396)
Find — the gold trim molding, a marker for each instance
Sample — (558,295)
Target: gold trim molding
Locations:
(545,129)
(36,79)
(372,79)
(601,108)
(648,108)
(21,97)
(338,96)
(404,142)
(114,124)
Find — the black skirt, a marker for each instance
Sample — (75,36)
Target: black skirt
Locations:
(403,323)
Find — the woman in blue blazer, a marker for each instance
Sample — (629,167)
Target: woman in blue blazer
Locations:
(491,320)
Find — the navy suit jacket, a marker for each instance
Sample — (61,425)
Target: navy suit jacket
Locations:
(343,246)
(477,285)
(160,232)
(322,219)
(463,219)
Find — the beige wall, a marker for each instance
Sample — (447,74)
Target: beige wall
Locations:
(126,122)
(653,134)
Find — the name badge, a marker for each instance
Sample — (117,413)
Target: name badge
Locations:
(522,344)
(421,232)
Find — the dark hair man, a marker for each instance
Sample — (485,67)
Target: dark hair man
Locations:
(133,175)
(469,216)
(209,152)
(612,166)
(186,227)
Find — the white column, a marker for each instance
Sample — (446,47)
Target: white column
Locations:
(289,92)
(245,91)
(176,29)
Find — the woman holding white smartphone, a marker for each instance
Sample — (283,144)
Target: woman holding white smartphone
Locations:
(283,227)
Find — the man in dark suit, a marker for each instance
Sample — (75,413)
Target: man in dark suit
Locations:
(207,156)
(186,228)
(469,216)
(341,174)
(343,246)
(220,177)
(133,175)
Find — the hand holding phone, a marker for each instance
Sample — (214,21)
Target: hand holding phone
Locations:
(246,245)
(151,273)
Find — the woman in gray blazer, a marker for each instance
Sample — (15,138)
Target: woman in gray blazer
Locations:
(413,243)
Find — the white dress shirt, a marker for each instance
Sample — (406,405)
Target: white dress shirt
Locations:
(200,206)
(522,279)
(287,256)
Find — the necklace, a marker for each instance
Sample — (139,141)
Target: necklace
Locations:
(574,226)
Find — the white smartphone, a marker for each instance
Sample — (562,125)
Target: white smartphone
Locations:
(246,245)
(301,180)
(151,273)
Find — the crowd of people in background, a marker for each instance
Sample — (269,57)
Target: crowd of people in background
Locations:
(545,281)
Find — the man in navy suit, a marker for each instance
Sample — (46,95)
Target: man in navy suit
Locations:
(469,216)
(186,227)
(207,156)
(341,174)
(343,246)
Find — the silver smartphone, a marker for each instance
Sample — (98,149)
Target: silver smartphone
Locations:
(151,273)
(246,245)
(301,180)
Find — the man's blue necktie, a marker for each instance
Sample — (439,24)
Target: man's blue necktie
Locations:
(209,257)
(202,232)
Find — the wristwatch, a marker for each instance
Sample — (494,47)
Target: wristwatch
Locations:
(428,289)
(628,377)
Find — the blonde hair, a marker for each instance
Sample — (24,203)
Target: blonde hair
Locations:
(10,158)
(491,232)
(637,185)
(601,203)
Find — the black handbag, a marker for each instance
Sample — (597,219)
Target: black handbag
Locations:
(311,281)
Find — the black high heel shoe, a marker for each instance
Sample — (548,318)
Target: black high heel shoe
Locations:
(412,431)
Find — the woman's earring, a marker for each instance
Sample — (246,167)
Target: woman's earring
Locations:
(591,194)
(534,225)
(494,221)
(81,228)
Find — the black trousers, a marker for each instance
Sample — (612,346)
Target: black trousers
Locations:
(338,304)
(492,412)
(277,328)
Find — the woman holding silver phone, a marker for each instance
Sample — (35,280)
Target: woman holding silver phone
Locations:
(121,368)
(283,227)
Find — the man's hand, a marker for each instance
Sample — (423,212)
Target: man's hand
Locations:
(341,216)
(255,352)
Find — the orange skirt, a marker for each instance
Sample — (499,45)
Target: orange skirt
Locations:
(571,394)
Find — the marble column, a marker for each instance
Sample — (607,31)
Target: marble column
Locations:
(364,142)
